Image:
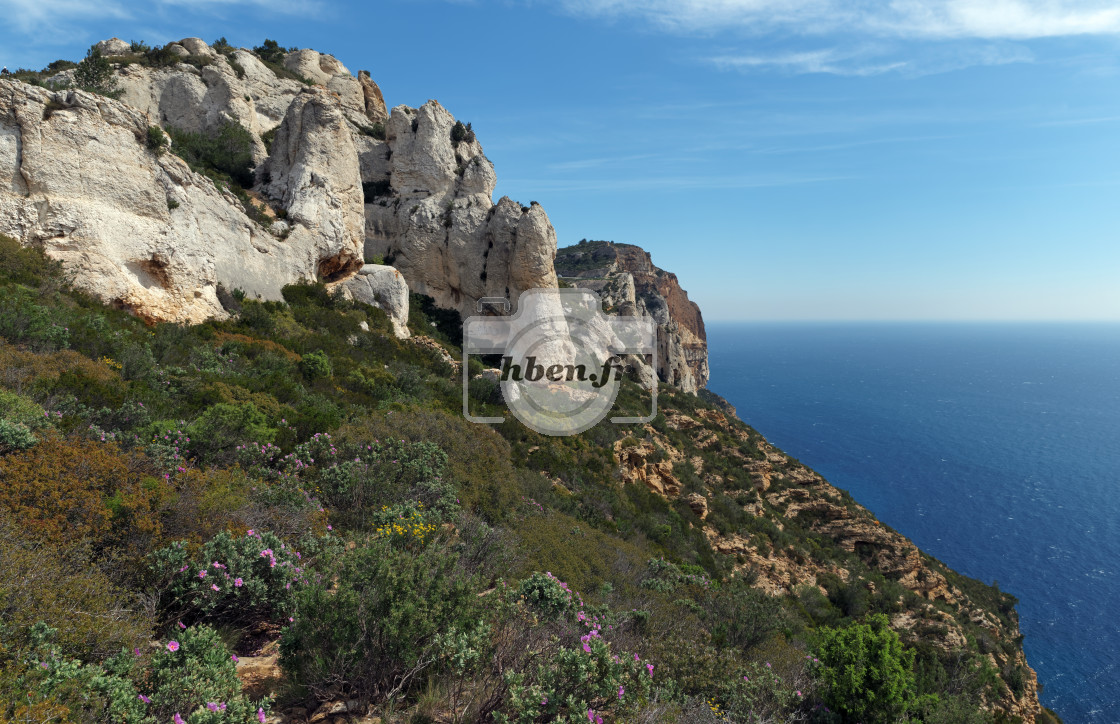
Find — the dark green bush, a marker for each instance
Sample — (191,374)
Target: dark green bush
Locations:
(461,133)
(95,74)
(379,632)
(157,140)
(228,153)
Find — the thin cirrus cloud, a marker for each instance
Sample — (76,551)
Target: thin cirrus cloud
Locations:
(879,59)
(43,17)
(930,19)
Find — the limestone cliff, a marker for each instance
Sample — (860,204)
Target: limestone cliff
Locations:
(431,215)
(338,180)
(629,284)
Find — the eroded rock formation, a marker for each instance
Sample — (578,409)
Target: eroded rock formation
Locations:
(432,215)
(629,284)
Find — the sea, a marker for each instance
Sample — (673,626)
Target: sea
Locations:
(994,447)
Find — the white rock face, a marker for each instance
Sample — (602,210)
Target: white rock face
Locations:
(314,170)
(382,287)
(437,222)
(77,179)
(236,88)
(113,46)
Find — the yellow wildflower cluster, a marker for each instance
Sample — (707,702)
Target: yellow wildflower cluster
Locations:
(407,528)
(717,711)
(111,363)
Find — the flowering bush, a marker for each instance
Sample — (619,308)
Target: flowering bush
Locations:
(231,579)
(549,595)
(190,679)
(407,525)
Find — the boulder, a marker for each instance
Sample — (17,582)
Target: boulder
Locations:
(382,287)
(113,46)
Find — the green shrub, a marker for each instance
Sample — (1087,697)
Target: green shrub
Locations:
(549,595)
(25,265)
(316,365)
(270,51)
(374,130)
(228,153)
(157,140)
(378,632)
(461,133)
(216,434)
(364,479)
(95,74)
(15,436)
(268,137)
(865,673)
(64,587)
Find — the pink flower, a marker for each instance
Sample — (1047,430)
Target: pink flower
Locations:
(182,625)
(172,645)
(214,586)
(798,693)
(212,705)
(237,582)
(144,699)
(202,574)
(649,667)
(621,691)
(136,651)
(260,715)
(266,553)
(233,658)
(591,716)
(249,532)
(177,719)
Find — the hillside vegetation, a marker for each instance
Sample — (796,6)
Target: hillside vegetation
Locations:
(174,499)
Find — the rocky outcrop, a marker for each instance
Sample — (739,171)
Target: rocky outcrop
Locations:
(629,284)
(313,169)
(142,230)
(430,214)
(349,181)
(382,287)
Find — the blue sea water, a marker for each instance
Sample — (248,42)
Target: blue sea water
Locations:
(994,447)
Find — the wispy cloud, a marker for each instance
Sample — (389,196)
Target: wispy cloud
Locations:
(587,163)
(829,60)
(988,19)
(671,181)
(48,22)
(878,58)
(57,16)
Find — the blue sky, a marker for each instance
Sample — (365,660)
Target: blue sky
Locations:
(788,159)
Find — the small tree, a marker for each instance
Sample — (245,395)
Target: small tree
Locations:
(95,74)
(270,51)
(461,133)
(866,674)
